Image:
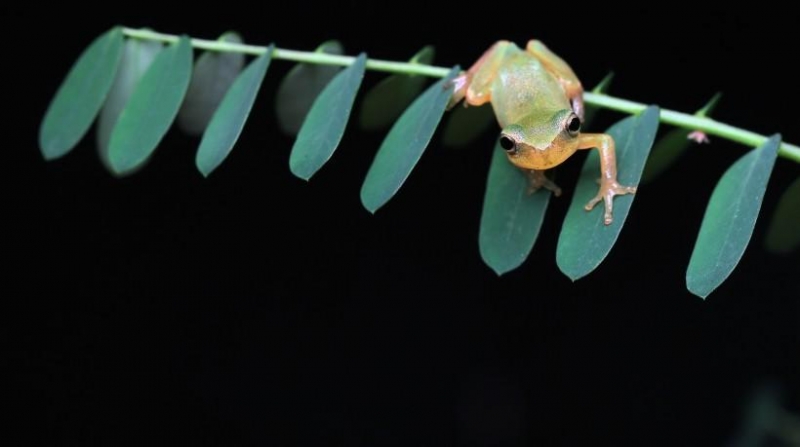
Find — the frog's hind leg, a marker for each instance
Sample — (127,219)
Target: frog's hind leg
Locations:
(538,179)
(475,83)
(562,72)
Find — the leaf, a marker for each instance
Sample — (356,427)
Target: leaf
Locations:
(301,86)
(213,74)
(386,100)
(151,108)
(671,146)
(324,125)
(783,234)
(466,124)
(136,59)
(80,96)
(511,217)
(585,240)
(405,143)
(589,110)
(729,219)
(228,120)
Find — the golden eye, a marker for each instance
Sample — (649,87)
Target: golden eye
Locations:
(508,144)
(574,125)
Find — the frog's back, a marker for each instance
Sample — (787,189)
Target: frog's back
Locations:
(522,85)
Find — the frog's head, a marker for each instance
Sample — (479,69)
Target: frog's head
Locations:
(542,139)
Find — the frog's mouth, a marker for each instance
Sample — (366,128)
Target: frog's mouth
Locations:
(550,156)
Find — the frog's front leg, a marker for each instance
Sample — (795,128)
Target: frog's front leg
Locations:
(538,179)
(475,84)
(609,187)
(562,71)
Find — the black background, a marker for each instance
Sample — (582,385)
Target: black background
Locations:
(255,308)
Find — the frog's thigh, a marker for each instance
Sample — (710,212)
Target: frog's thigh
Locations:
(562,71)
(483,72)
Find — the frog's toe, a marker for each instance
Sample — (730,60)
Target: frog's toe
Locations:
(537,180)
(606,194)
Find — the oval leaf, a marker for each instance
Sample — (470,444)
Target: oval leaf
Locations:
(405,143)
(324,126)
(466,124)
(669,148)
(301,86)
(229,118)
(511,217)
(151,108)
(213,74)
(387,99)
(136,59)
(729,219)
(80,96)
(585,240)
(783,234)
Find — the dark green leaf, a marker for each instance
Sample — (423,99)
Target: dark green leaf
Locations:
(466,124)
(300,88)
(213,74)
(405,143)
(387,99)
(783,234)
(324,125)
(229,118)
(585,240)
(136,59)
(671,146)
(590,111)
(729,219)
(81,95)
(511,217)
(151,108)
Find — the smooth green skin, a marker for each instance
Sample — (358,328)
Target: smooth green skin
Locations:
(511,218)
(324,125)
(730,218)
(405,143)
(301,86)
(80,96)
(585,240)
(229,118)
(213,74)
(386,100)
(136,59)
(669,148)
(783,235)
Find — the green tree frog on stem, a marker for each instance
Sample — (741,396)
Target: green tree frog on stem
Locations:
(538,102)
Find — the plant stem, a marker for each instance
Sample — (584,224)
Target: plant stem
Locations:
(684,120)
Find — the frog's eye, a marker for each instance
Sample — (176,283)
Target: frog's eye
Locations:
(574,125)
(508,144)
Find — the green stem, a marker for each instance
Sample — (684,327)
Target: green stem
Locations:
(684,120)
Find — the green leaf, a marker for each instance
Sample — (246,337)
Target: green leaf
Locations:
(671,146)
(466,124)
(783,234)
(229,118)
(80,96)
(729,219)
(405,143)
(213,74)
(585,240)
(151,108)
(590,110)
(511,217)
(301,86)
(386,100)
(136,59)
(324,125)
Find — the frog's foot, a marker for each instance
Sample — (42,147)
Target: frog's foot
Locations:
(609,189)
(537,180)
(459,85)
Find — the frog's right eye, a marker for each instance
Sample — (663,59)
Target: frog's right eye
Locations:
(508,144)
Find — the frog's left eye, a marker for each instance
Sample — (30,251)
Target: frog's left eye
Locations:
(508,144)
(574,125)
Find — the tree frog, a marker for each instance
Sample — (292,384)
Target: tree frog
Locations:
(538,102)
